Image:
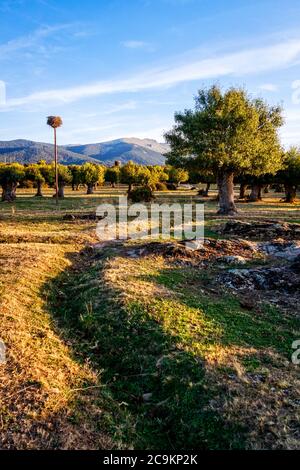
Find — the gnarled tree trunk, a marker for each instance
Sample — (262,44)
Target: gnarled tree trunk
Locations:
(61,191)
(290,193)
(226,193)
(90,189)
(243,188)
(205,194)
(9,192)
(255,194)
(39,189)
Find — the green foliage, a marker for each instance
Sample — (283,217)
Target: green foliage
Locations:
(33,173)
(177,175)
(76,175)
(161,186)
(11,173)
(290,173)
(141,194)
(92,174)
(112,175)
(227,132)
(130,174)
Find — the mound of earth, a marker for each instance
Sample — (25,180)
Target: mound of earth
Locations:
(209,250)
(280,278)
(261,230)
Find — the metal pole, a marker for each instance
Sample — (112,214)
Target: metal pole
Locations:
(56,169)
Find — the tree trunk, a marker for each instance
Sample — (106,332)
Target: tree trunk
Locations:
(243,188)
(255,194)
(278,188)
(9,192)
(226,194)
(73,186)
(61,191)
(90,189)
(267,189)
(39,189)
(290,193)
(205,194)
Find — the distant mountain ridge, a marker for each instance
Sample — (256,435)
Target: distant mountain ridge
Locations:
(28,151)
(142,151)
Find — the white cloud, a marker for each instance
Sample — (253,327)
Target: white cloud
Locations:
(249,61)
(135,44)
(32,39)
(268,87)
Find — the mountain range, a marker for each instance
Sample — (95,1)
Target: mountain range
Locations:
(142,151)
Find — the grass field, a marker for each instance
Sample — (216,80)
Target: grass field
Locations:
(109,349)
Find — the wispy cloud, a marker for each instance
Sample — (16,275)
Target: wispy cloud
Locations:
(268,87)
(133,44)
(241,63)
(26,42)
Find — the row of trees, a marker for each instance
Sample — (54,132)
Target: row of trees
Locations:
(11,175)
(88,174)
(151,177)
(230,136)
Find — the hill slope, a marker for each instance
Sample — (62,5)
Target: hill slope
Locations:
(27,151)
(142,151)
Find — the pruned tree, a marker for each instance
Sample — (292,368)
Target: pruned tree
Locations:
(228,134)
(10,175)
(92,174)
(112,175)
(64,177)
(130,174)
(177,175)
(290,174)
(76,176)
(34,173)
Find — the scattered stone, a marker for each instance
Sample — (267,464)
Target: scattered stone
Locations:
(84,216)
(280,278)
(281,249)
(69,217)
(232,259)
(261,230)
(147,397)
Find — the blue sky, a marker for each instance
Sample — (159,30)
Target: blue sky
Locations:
(120,68)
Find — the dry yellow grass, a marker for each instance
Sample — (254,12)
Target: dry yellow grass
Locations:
(42,386)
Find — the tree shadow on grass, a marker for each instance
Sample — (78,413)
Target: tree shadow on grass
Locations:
(154,393)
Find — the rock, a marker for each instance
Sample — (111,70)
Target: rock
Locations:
(262,230)
(232,259)
(147,397)
(248,303)
(194,244)
(281,249)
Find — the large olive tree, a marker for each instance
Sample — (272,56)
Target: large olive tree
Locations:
(227,133)
(10,176)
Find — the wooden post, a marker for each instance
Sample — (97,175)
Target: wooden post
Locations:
(56,169)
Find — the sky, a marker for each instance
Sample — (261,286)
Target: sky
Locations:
(121,68)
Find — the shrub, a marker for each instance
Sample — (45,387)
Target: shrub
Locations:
(161,187)
(141,194)
(171,186)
